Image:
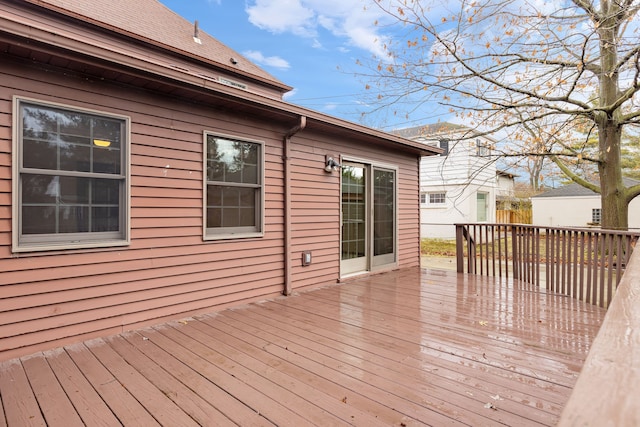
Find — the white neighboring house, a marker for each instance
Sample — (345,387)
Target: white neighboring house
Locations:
(505,190)
(576,206)
(459,185)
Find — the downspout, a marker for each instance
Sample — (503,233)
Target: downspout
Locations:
(286,159)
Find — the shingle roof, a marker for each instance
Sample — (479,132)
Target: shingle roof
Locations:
(429,130)
(571,190)
(153,22)
(577,190)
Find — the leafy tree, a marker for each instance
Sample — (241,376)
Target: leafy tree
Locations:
(564,66)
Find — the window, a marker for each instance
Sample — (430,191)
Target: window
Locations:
(482,206)
(482,149)
(444,144)
(234,193)
(71,188)
(430,199)
(596,216)
(437,198)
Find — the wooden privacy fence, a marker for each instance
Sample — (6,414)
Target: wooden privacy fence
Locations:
(586,264)
(519,216)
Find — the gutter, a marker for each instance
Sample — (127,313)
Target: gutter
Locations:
(286,159)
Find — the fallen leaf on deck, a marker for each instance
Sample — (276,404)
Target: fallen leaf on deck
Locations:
(483,323)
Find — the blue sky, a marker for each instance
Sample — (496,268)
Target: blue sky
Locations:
(311,45)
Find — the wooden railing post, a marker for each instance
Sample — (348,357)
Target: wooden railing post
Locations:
(459,249)
(514,252)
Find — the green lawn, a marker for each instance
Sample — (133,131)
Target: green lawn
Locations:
(438,247)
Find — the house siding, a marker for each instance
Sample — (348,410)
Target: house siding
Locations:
(316,205)
(461,175)
(168,271)
(575,211)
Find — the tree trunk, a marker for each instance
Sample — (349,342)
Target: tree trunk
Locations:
(614,203)
(613,194)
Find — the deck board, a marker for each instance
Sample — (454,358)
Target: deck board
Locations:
(124,406)
(169,359)
(20,404)
(407,348)
(52,399)
(84,398)
(191,403)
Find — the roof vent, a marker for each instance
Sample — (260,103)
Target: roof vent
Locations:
(196,33)
(232,83)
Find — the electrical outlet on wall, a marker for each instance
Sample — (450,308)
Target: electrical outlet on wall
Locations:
(306,258)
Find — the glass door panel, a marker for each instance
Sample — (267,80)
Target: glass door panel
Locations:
(354,218)
(384,216)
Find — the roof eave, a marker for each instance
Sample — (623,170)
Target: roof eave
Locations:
(98,57)
(83,20)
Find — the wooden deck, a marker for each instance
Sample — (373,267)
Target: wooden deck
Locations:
(411,347)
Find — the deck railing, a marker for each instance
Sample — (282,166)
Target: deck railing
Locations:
(607,389)
(586,264)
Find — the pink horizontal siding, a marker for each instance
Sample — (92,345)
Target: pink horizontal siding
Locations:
(168,271)
(316,205)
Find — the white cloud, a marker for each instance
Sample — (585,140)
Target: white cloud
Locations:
(345,19)
(270,61)
(282,16)
(290,94)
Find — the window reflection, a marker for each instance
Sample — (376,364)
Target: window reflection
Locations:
(234,188)
(62,204)
(59,140)
(71,174)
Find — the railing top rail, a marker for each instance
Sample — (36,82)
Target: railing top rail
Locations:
(607,389)
(544,227)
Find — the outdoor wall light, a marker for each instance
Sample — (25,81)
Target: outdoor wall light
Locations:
(330,164)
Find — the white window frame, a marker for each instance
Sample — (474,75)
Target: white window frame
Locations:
(440,196)
(64,241)
(235,232)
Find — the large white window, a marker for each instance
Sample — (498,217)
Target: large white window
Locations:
(234,187)
(71,186)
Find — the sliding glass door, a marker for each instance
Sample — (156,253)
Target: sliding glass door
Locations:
(368,217)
